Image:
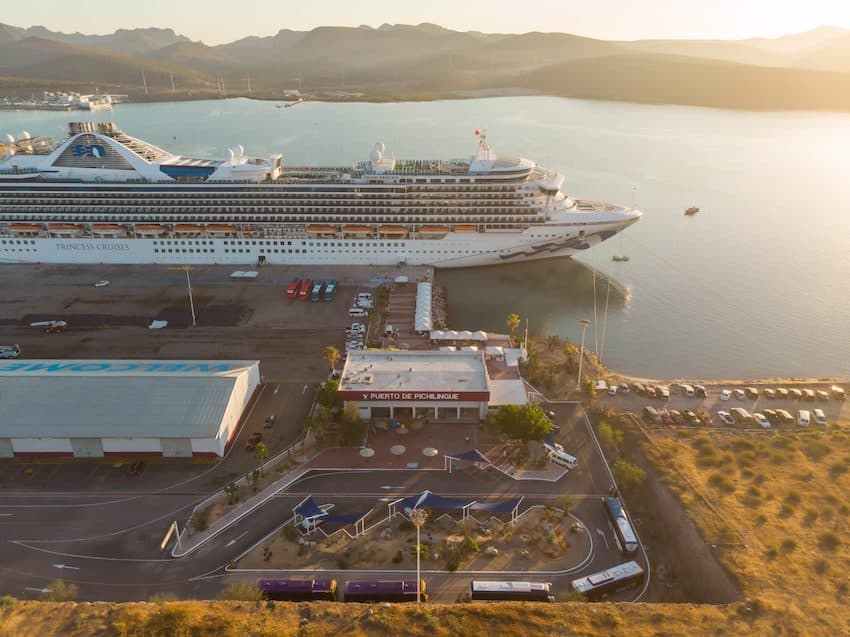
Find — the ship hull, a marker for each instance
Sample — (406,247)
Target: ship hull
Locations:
(455,250)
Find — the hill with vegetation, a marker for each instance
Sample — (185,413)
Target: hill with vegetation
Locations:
(394,62)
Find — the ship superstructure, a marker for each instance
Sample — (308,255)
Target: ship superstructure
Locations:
(105,196)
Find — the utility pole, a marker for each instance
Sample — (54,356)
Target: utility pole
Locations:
(191,301)
(584,325)
(172,82)
(249,83)
(418,517)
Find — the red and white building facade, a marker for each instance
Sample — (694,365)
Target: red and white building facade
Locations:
(423,384)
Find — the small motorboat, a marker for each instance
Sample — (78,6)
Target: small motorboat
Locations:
(692,210)
(619,257)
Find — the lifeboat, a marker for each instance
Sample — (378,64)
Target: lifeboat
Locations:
(63,228)
(357,229)
(107,228)
(433,230)
(394,230)
(187,229)
(149,229)
(321,229)
(465,228)
(219,229)
(26,227)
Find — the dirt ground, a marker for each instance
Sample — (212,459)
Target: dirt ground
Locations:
(543,539)
(236,319)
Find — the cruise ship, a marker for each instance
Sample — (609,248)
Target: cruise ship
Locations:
(103,196)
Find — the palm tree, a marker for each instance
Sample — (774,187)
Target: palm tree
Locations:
(261,452)
(331,355)
(513,322)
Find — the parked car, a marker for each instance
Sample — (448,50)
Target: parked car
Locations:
(820,418)
(795,393)
(804,417)
(253,440)
(677,417)
(837,392)
(624,388)
(653,414)
(550,413)
(691,418)
(662,392)
(612,390)
(10,351)
(739,394)
(771,415)
(101,284)
(782,393)
(769,393)
(725,418)
(822,395)
(269,423)
(687,391)
(700,391)
(751,392)
(725,394)
(638,389)
(761,420)
(785,416)
(809,395)
(741,415)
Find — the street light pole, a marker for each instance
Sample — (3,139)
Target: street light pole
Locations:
(418,517)
(584,325)
(191,302)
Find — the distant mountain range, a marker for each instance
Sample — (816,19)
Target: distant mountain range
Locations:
(809,70)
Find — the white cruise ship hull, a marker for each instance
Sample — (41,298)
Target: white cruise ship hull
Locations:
(455,250)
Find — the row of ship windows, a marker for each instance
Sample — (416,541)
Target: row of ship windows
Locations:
(17,241)
(324,194)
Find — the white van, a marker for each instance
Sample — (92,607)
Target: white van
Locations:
(560,457)
(803,418)
(357,312)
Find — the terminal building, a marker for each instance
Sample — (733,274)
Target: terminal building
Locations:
(425,384)
(92,408)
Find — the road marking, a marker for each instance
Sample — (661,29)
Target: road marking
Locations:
(233,541)
(37,590)
(61,566)
(602,535)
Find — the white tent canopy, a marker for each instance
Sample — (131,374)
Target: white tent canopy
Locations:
(422,318)
(453,335)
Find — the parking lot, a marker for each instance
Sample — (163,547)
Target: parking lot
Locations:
(835,410)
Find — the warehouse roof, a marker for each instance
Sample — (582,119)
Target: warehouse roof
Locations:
(120,399)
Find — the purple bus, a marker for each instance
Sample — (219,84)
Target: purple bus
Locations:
(384,591)
(298,590)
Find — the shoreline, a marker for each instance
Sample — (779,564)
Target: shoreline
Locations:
(605,372)
(363,97)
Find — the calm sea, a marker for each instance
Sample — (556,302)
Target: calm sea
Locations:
(754,285)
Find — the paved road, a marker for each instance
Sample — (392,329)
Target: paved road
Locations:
(96,526)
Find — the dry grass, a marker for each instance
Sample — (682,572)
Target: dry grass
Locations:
(239,619)
(776,506)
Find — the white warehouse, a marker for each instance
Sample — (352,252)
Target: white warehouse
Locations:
(93,408)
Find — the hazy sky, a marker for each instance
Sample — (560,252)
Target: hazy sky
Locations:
(217,21)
